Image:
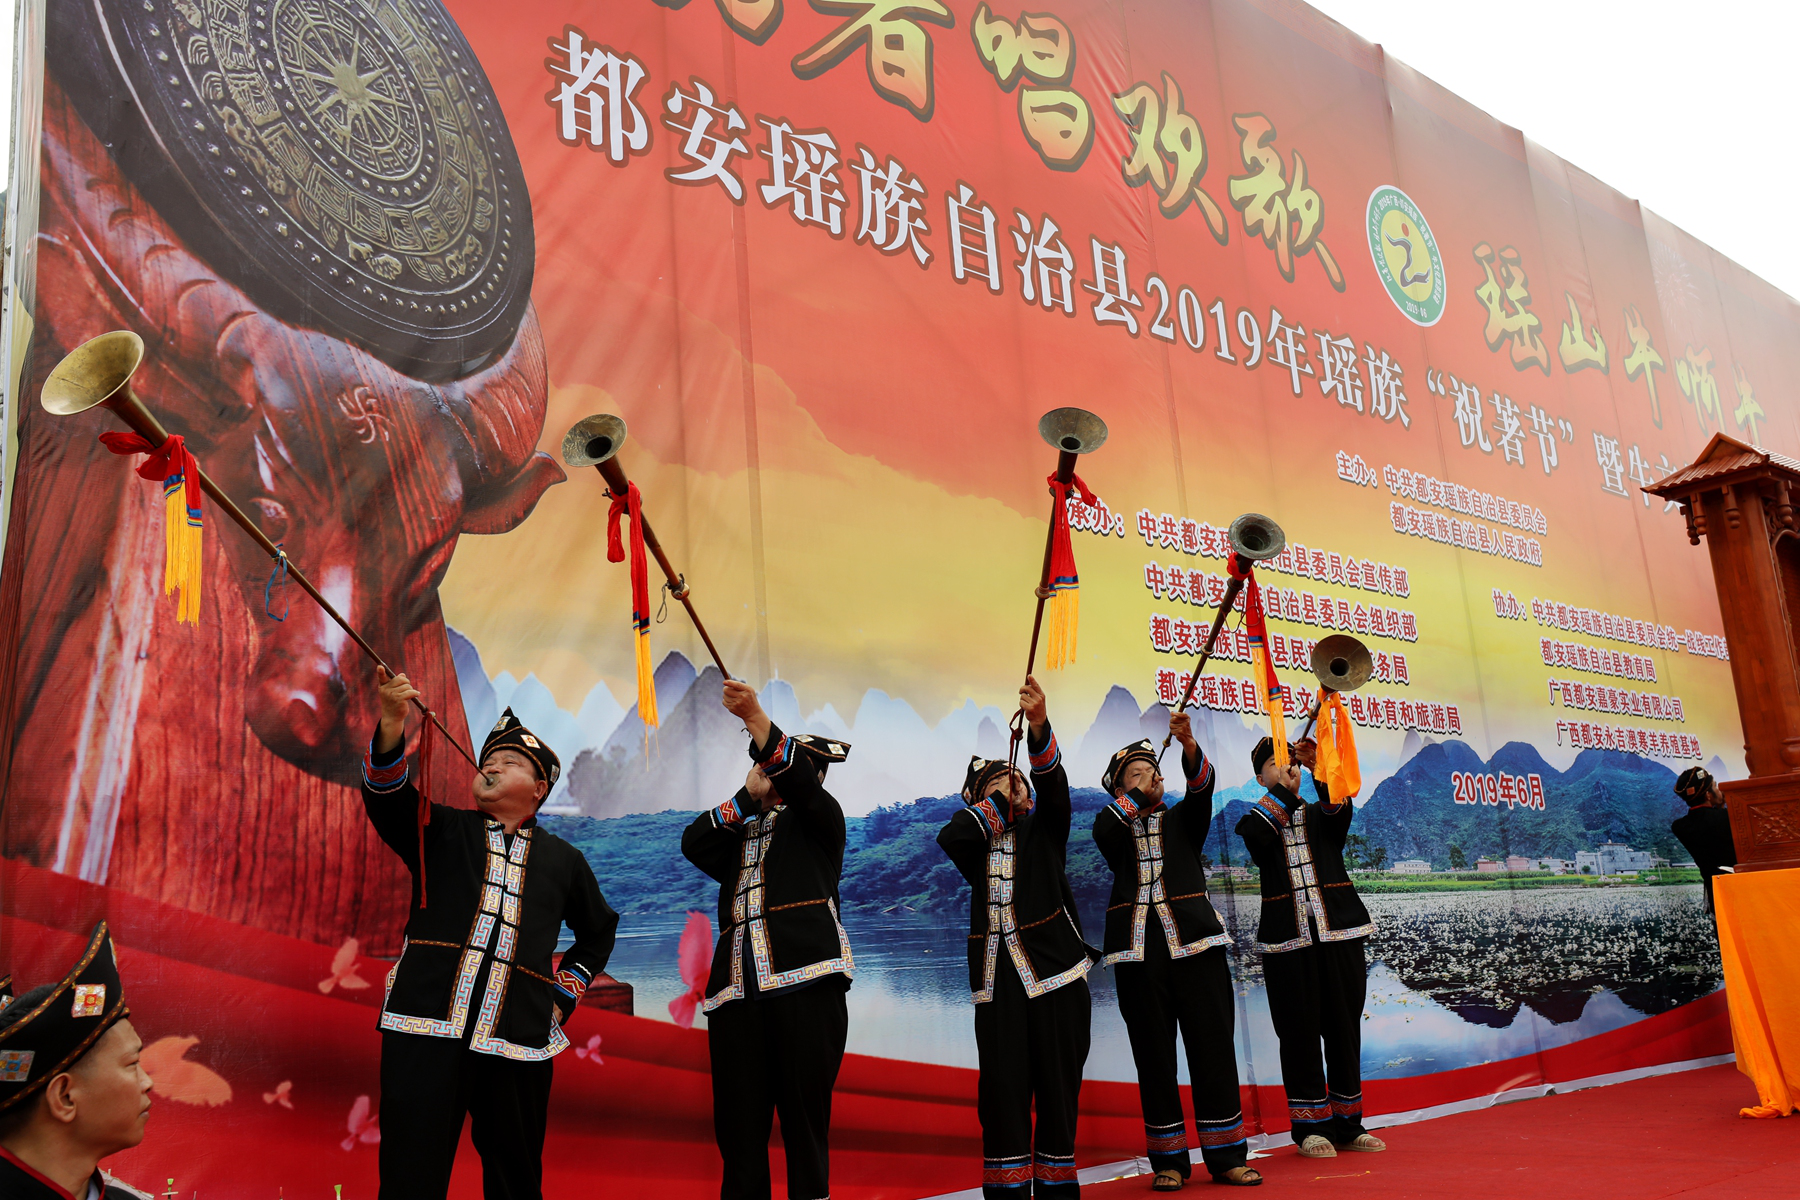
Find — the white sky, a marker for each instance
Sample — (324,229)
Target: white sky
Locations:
(1686,107)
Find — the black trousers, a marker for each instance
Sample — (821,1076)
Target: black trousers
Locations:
(777,1054)
(1156,996)
(428,1084)
(1031,1052)
(1316,994)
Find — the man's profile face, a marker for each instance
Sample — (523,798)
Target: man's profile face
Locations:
(111,1091)
(514,784)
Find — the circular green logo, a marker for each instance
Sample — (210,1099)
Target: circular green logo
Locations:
(1406,255)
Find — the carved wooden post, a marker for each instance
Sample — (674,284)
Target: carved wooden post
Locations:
(1739,498)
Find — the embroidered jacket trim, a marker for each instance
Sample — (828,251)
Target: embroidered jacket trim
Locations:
(498,909)
(1146,834)
(1306,895)
(749,918)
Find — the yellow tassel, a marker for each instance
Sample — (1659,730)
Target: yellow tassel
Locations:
(181,555)
(646,683)
(1337,751)
(1065,624)
(1271,704)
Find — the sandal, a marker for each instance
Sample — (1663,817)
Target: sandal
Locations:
(1168,1180)
(1366,1143)
(1240,1177)
(1314,1146)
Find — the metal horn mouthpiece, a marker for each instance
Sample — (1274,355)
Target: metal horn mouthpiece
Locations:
(1255,537)
(593,440)
(1072,430)
(1342,663)
(93,373)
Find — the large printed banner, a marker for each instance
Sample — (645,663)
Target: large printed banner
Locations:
(830,260)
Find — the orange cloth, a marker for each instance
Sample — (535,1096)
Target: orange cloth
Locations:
(1758,924)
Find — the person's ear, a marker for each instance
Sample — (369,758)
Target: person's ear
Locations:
(59,1100)
(540,791)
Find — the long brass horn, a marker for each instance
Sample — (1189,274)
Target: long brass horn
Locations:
(98,374)
(1071,431)
(1253,537)
(594,442)
(1342,664)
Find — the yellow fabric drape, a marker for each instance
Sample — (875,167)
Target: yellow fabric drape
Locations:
(1337,750)
(1756,911)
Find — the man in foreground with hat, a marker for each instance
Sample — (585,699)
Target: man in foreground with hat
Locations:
(1167,950)
(775,1003)
(71,1088)
(474,1008)
(1028,964)
(1706,828)
(1312,936)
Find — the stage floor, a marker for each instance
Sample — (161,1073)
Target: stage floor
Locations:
(1669,1135)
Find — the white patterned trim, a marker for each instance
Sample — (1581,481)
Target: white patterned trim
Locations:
(747,917)
(1003,926)
(1305,892)
(1147,836)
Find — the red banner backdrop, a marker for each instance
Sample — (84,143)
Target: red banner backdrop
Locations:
(830,261)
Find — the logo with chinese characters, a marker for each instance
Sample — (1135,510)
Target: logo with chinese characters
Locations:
(1406,255)
(90,1000)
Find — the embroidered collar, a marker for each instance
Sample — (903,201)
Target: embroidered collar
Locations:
(1274,810)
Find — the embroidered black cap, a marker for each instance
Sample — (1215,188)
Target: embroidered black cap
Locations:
(982,773)
(509,733)
(1142,750)
(1695,786)
(48,1029)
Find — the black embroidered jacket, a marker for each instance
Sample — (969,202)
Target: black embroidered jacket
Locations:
(477,958)
(1299,852)
(20,1182)
(778,879)
(1020,901)
(1154,853)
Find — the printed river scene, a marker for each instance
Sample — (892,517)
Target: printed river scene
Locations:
(1457,978)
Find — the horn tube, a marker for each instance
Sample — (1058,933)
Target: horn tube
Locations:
(594,442)
(1253,537)
(1342,664)
(97,374)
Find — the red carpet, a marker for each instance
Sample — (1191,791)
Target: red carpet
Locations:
(1671,1135)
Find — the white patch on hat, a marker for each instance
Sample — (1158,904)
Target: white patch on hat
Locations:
(15,1065)
(500,724)
(90,1000)
(530,741)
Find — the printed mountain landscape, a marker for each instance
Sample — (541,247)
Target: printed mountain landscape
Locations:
(1485,955)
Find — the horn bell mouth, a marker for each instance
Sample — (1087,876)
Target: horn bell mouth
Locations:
(1342,663)
(1256,537)
(593,440)
(92,373)
(1072,430)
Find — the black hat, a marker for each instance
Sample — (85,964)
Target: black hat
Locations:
(981,773)
(1695,786)
(415,243)
(1262,753)
(1139,751)
(824,751)
(510,733)
(49,1028)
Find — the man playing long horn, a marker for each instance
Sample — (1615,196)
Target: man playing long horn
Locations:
(775,1003)
(474,1009)
(1312,936)
(1028,964)
(1167,950)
